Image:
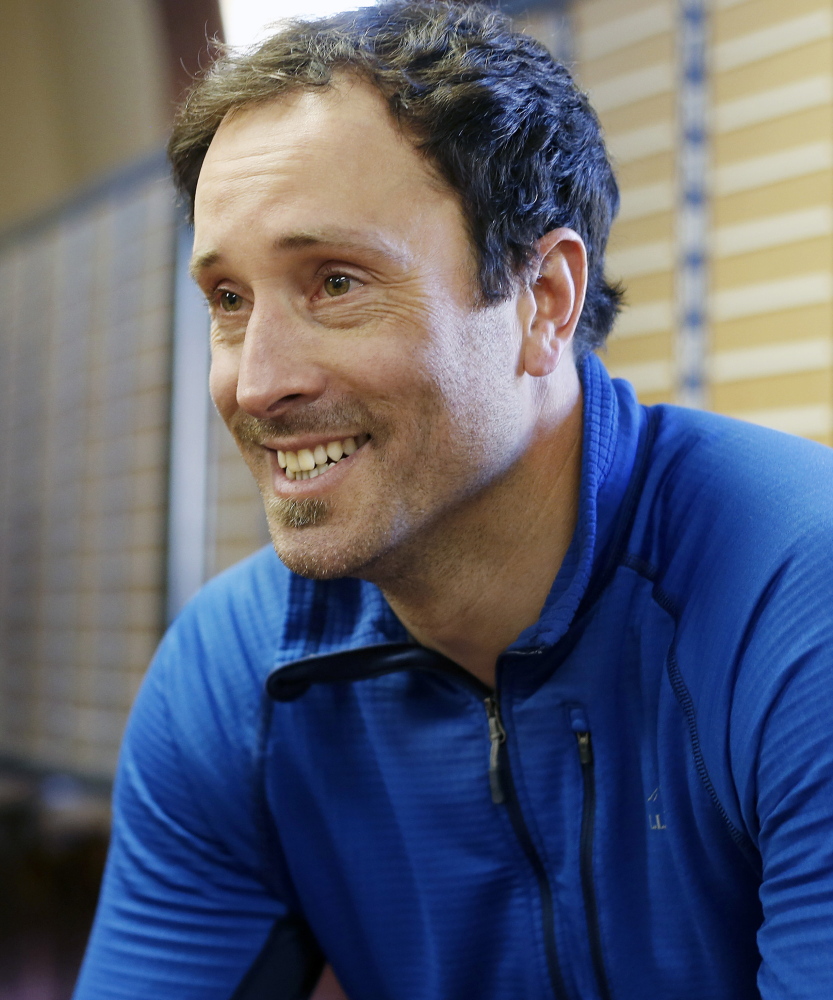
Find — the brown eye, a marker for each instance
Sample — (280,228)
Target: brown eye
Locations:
(230,301)
(337,284)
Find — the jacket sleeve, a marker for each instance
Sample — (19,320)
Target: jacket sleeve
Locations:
(782,730)
(195,902)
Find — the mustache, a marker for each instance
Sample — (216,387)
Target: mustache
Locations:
(319,419)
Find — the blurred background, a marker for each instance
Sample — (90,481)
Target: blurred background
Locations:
(120,492)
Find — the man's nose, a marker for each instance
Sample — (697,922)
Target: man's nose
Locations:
(278,366)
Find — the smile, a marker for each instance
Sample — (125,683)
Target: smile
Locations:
(308,463)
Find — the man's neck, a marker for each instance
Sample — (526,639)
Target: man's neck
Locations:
(487,579)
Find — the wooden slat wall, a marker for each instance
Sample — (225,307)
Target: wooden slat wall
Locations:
(770,357)
(85,358)
(772,267)
(84,403)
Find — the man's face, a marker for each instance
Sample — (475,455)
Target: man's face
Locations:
(342,289)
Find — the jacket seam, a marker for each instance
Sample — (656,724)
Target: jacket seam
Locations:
(650,573)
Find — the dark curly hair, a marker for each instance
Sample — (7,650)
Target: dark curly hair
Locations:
(499,119)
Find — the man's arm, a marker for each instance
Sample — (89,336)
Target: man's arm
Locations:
(195,902)
(782,729)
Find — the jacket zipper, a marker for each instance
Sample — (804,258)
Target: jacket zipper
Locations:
(503,793)
(497,737)
(588,820)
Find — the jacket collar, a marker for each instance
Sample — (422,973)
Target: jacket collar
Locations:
(615,445)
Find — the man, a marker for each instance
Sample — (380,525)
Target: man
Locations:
(536,701)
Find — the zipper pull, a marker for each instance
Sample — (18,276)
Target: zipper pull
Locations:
(497,736)
(585,748)
(578,722)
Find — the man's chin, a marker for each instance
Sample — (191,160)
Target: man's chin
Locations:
(305,546)
(281,513)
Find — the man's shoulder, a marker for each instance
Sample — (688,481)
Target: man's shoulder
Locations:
(241,608)
(728,437)
(255,585)
(221,646)
(211,666)
(716,467)
(733,501)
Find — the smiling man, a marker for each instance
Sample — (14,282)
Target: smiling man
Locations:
(532,697)
(378,405)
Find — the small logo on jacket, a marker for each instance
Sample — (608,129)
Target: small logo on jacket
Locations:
(654,816)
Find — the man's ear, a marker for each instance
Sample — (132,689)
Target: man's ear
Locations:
(557,288)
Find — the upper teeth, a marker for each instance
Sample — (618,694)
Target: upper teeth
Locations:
(309,463)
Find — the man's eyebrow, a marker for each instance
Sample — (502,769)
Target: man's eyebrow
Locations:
(344,240)
(338,239)
(202,261)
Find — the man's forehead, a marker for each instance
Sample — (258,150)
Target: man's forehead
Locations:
(328,167)
(309,108)
(345,123)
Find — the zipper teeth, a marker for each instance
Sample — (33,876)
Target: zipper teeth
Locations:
(497,737)
(588,817)
(509,799)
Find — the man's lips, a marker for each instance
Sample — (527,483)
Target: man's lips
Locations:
(309,463)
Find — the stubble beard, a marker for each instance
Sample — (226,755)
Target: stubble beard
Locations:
(383,555)
(284,514)
(281,513)
(295,516)
(318,560)
(292,523)
(372,551)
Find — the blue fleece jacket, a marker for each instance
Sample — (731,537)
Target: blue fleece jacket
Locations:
(642,808)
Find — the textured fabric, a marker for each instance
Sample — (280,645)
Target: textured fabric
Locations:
(682,850)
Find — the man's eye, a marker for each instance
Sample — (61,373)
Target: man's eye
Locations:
(229,301)
(337,284)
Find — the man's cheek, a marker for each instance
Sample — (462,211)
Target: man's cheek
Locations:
(222,383)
